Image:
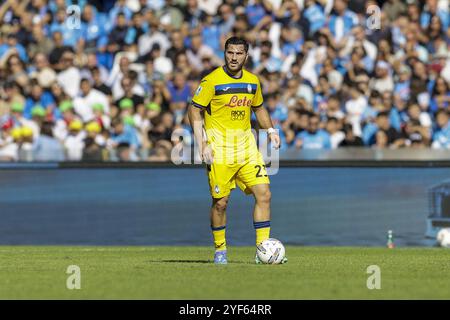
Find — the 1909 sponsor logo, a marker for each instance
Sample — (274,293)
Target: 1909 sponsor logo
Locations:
(237,115)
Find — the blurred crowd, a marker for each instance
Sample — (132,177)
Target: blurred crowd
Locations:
(111,80)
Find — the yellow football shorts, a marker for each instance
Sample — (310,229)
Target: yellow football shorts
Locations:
(224,177)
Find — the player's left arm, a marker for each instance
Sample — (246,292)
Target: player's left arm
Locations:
(263,117)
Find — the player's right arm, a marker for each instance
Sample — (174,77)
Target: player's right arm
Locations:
(200,101)
(196,120)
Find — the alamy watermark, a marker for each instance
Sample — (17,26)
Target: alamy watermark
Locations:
(234,146)
(74,279)
(374,280)
(73,13)
(374,17)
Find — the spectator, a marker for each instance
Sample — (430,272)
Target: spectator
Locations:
(161,152)
(170,16)
(92,151)
(87,98)
(423,118)
(15,70)
(60,130)
(179,90)
(431,10)
(357,39)
(124,133)
(197,51)
(69,77)
(193,14)
(136,30)
(278,112)
(162,64)
(117,36)
(341,20)
(94,131)
(315,15)
(10,94)
(227,18)
(127,88)
(38,97)
(103,120)
(20,121)
(26,147)
(98,82)
(333,108)
(161,128)
(125,152)
(9,148)
(12,45)
(393,9)
(350,139)
(440,97)
(130,69)
(73,143)
(402,86)
(383,80)
(355,108)
(416,141)
(177,46)
(94,32)
(120,8)
(313,138)
(441,136)
(40,43)
(46,147)
(211,34)
(44,75)
(336,135)
(385,135)
(154,36)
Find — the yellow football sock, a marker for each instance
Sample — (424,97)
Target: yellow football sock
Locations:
(262,231)
(219,238)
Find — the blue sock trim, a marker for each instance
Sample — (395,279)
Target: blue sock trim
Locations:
(217,228)
(261,224)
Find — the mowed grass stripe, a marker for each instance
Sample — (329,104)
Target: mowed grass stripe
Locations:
(188,273)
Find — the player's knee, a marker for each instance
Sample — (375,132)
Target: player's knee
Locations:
(264,197)
(221,205)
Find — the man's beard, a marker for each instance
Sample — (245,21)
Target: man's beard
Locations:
(238,66)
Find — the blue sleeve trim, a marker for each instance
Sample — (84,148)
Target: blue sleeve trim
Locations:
(197,105)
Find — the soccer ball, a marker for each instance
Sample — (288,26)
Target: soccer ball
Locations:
(270,251)
(443,237)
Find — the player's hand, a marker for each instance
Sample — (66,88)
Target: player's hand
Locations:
(275,139)
(207,153)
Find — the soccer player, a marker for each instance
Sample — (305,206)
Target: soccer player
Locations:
(225,99)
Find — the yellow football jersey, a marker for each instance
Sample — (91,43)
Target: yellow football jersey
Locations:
(228,104)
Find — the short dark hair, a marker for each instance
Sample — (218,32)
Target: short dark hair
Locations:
(332,119)
(348,127)
(123,145)
(236,41)
(383,114)
(115,122)
(47,128)
(443,111)
(334,97)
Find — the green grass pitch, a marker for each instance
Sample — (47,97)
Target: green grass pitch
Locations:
(188,273)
